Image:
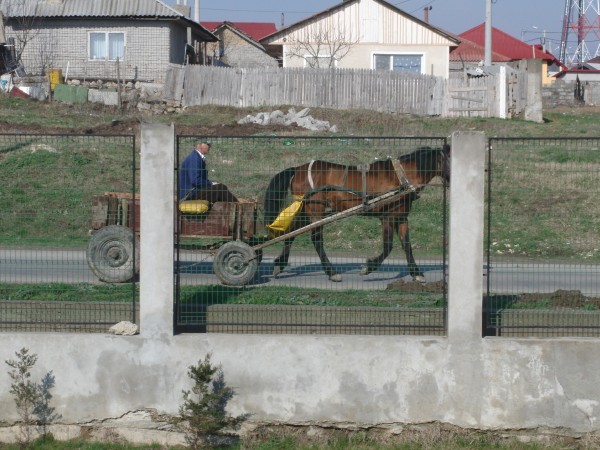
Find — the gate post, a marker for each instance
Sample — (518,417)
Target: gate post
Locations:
(465,273)
(156,230)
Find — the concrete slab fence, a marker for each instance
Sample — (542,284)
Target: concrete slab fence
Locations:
(125,383)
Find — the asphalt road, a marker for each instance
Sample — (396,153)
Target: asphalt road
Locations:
(70,266)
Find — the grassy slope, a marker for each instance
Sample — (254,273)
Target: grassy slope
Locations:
(32,116)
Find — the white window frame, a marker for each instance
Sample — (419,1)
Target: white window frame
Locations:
(106,41)
(391,54)
(335,61)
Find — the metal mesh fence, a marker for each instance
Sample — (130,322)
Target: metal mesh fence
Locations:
(543,276)
(231,275)
(52,208)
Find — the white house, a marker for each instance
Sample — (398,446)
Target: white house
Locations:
(365,34)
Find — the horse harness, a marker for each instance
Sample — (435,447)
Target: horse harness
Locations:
(364,168)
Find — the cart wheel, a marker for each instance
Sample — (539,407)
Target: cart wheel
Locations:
(110,254)
(235,263)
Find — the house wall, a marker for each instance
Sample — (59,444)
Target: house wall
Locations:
(63,44)
(360,56)
(235,51)
(366,26)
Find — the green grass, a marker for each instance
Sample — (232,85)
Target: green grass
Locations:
(63,292)
(51,444)
(544,190)
(340,440)
(269,295)
(48,184)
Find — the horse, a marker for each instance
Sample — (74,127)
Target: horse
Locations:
(327,187)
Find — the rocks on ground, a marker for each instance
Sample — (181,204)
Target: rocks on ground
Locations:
(300,118)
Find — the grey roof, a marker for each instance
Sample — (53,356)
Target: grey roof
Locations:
(131,9)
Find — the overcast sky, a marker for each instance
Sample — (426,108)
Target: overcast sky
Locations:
(526,19)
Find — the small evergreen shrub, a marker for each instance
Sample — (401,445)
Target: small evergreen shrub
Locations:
(203,415)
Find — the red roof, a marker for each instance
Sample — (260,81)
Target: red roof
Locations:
(255,30)
(504,47)
(470,51)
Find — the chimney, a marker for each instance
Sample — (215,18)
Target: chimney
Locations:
(197,11)
(182,9)
(426,13)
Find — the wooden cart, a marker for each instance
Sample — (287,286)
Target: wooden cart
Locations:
(113,250)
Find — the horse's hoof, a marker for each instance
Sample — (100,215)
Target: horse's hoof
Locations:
(335,277)
(420,279)
(276,271)
(364,270)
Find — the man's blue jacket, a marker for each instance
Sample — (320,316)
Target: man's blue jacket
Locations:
(192,174)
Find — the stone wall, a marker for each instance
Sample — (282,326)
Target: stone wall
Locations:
(562,93)
(559,93)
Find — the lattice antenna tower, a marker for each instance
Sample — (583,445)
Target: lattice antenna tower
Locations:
(581,26)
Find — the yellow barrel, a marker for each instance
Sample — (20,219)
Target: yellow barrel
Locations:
(56,77)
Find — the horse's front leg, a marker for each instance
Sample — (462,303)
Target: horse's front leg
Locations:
(316,236)
(373,264)
(413,269)
(282,260)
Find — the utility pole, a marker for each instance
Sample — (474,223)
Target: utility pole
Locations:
(488,33)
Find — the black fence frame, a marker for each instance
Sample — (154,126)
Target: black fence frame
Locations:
(562,320)
(65,324)
(282,328)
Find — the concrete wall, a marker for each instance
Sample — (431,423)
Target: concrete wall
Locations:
(462,379)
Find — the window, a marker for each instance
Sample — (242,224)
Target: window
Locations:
(407,63)
(107,45)
(319,61)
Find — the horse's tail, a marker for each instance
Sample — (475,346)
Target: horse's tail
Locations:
(276,193)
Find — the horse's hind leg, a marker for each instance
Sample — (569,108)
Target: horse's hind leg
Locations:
(282,260)
(413,269)
(316,236)
(388,243)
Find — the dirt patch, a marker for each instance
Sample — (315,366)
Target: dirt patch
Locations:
(240,130)
(132,126)
(413,286)
(559,299)
(426,436)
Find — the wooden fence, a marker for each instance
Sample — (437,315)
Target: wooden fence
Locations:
(384,91)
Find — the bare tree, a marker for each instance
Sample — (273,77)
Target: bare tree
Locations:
(322,48)
(25,26)
(46,52)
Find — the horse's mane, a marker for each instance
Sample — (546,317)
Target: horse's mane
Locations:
(425,158)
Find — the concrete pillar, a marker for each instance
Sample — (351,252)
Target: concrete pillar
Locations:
(534,107)
(465,276)
(157,230)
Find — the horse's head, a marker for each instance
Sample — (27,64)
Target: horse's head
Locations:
(444,164)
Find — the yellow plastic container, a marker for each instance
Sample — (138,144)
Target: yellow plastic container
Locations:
(194,206)
(56,77)
(285,218)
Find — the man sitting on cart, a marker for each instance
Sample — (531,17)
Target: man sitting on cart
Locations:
(194,183)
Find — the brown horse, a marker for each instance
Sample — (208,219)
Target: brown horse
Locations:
(328,187)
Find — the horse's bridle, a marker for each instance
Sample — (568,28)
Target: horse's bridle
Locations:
(444,166)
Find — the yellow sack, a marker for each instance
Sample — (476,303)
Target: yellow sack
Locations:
(194,206)
(284,219)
